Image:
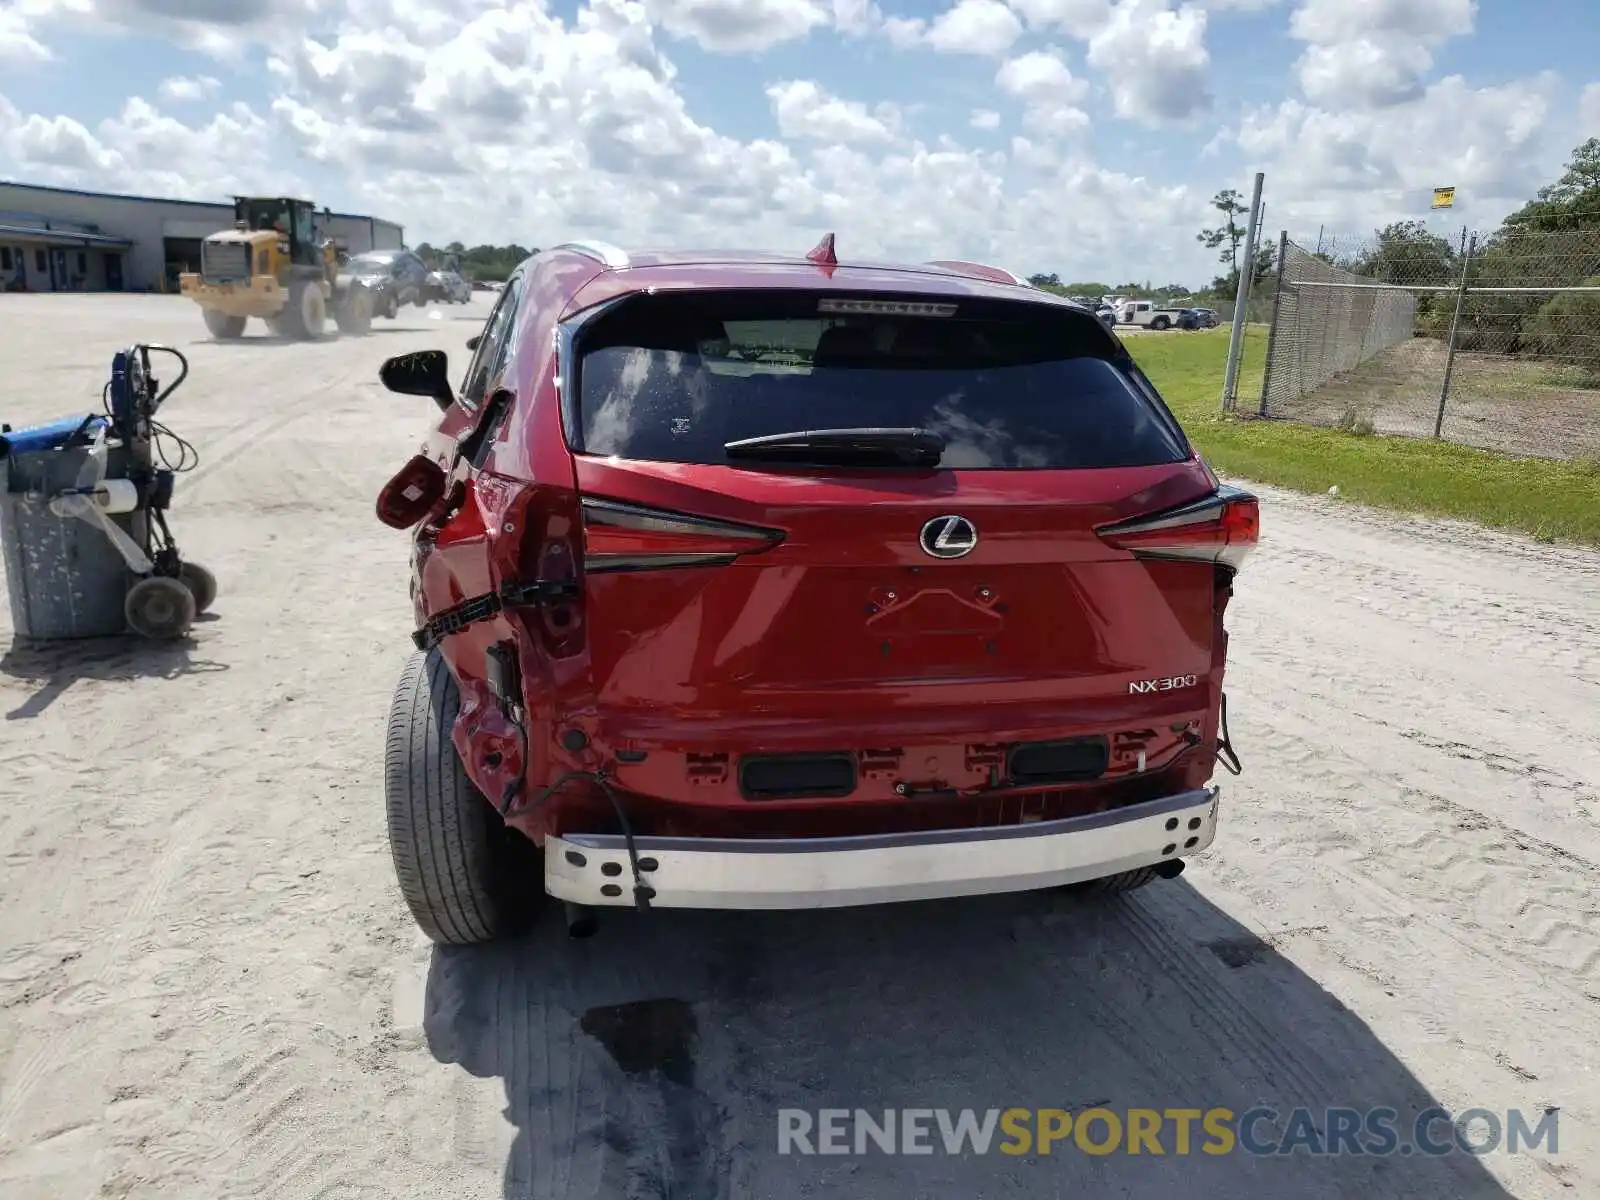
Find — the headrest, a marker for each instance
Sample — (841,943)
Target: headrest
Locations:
(843,346)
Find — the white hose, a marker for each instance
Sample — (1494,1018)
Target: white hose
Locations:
(97,498)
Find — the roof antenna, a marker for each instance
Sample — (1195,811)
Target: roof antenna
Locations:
(822,253)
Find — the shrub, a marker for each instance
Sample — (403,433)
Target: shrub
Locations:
(1567,330)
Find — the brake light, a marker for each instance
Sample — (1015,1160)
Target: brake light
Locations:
(1222,528)
(628,537)
(891,308)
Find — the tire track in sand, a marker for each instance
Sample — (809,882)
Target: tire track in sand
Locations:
(103,959)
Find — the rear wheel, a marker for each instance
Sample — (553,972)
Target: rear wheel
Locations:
(221,325)
(201,583)
(465,875)
(1160,323)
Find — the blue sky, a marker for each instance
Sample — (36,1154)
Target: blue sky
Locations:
(1348,105)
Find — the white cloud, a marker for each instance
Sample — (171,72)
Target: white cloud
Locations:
(142,149)
(1155,60)
(984,118)
(1361,169)
(220,28)
(984,27)
(1048,90)
(180,89)
(856,18)
(1031,155)
(1079,18)
(904,33)
(1589,106)
(804,110)
(1373,53)
(1326,22)
(740,26)
(1039,76)
(18,46)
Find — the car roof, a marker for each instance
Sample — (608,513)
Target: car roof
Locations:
(620,272)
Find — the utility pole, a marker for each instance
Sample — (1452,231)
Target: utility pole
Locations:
(1230,383)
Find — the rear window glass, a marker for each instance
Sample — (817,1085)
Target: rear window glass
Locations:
(672,377)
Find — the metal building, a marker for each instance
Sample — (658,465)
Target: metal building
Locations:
(63,240)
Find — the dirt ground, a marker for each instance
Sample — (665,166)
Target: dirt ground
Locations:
(1512,405)
(209,987)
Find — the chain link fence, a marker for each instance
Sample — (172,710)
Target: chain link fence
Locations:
(1257,310)
(1490,341)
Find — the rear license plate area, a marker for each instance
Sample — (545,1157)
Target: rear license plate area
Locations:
(797,776)
(1075,760)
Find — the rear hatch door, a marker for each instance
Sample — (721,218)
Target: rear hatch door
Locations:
(919,557)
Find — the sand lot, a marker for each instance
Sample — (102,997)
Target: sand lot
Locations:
(209,987)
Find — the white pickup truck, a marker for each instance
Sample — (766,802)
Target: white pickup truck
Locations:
(1148,314)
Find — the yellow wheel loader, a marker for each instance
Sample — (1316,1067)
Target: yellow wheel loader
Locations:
(275,264)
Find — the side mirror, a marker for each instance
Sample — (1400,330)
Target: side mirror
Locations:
(425,373)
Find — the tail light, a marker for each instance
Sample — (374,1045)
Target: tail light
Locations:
(412,493)
(1222,528)
(628,537)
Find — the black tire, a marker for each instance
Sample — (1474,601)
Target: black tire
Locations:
(1113,885)
(303,316)
(1160,324)
(201,583)
(354,316)
(464,874)
(159,607)
(222,326)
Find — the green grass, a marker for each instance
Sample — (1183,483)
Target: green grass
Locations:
(1551,500)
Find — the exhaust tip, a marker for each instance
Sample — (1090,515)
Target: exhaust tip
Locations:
(581,921)
(1169,868)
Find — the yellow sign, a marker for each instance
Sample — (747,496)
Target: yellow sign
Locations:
(1444,197)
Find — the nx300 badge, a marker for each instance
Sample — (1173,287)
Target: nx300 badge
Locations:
(1168,684)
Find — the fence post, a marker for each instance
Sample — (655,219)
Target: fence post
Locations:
(1230,382)
(1467,247)
(1272,330)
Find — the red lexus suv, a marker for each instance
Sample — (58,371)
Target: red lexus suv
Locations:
(770,581)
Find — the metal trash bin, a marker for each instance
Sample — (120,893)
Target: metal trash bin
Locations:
(64,578)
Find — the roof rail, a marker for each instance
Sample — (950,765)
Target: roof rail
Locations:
(981,271)
(612,256)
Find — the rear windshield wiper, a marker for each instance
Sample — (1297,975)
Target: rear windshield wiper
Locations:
(910,447)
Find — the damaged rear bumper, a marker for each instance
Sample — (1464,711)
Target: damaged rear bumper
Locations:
(593,869)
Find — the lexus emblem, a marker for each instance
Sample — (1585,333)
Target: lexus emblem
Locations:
(949,537)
